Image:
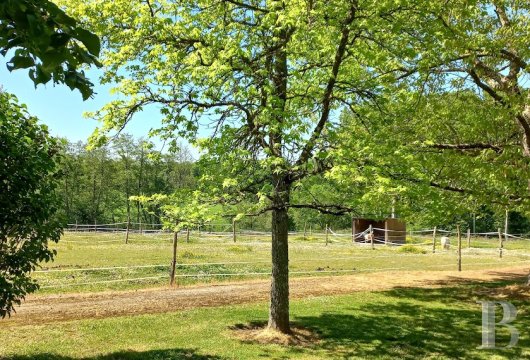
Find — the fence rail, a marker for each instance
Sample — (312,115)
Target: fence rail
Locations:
(104,233)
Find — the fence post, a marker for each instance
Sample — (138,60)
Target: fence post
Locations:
(127,231)
(459,247)
(140,226)
(506,225)
(95,226)
(372,237)
(174,260)
(468,238)
(305,229)
(352,229)
(327,234)
(434,240)
(234,229)
(501,243)
(387,232)
(187,234)
(75,225)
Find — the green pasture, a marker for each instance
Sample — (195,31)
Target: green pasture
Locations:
(102,261)
(411,323)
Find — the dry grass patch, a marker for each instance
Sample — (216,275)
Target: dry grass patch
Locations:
(509,292)
(258,333)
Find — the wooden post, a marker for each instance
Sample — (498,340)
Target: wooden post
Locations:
(501,243)
(234,229)
(75,225)
(327,234)
(352,229)
(95,226)
(434,240)
(187,234)
(372,237)
(506,226)
(386,232)
(174,261)
(127,230)
(305,229)
(459,248)
(468,238)
(140,226)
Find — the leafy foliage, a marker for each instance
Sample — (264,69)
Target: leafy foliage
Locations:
(48,42)
(180,210)
(28,220)
(97,184)
(440,161)
(269,79)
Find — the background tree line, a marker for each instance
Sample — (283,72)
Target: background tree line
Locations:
(96,185)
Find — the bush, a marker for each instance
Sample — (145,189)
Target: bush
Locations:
(240,249)
(190,255)
(411,249)
(29,217)
(307,238)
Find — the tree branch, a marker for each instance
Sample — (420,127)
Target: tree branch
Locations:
(326,99)
(490,91)
(247,6)
(472,146)
(330,209)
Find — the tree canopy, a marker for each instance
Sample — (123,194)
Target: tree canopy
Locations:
(267,78)
(28,220)
(259,87)
(43,39)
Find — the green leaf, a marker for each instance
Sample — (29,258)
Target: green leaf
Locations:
(59,40)
(90,40)
(20,62)
(40,76)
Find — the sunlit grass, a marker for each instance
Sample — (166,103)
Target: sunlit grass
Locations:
(214,259)
(412,323)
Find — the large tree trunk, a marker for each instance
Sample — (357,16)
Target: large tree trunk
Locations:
(279,303)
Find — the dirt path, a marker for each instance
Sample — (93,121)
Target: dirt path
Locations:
(52,308)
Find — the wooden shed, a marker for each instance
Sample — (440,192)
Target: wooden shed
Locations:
(392,230)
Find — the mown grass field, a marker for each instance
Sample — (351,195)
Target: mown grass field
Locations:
(403,323)
(213,259)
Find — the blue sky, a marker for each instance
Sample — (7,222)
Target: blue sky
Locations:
(62,109)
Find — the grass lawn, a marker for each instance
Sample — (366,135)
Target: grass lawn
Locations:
(404,323)
(211,259)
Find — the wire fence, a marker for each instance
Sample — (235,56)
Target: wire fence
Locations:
(471,248)
(475,253)
(268,273)
(228,231)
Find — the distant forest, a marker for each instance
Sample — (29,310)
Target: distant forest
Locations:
(96,186)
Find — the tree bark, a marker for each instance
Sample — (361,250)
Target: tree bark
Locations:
(174,260)
(279,303)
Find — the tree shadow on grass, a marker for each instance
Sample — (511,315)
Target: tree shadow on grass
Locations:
(414,323)
(166,354)
(513,291)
